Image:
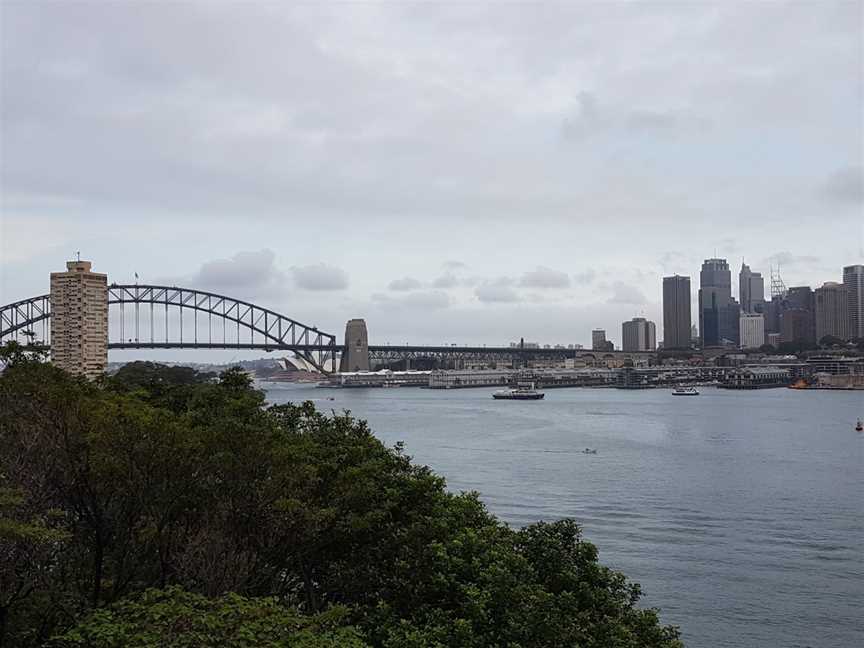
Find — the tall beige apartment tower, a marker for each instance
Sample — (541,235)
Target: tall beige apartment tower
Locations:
(79,319)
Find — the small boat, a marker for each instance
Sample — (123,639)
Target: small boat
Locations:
(859,426)
(519,393)
(685,391)
(589,451)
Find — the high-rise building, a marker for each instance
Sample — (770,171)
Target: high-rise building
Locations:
(751,290)
(752,330)
(853,280)
(598,340)
(832,311)
(728,326)
(79,319)
(717,321)
(801,301)
(638,335)
(676,312)
(796,326)
(773,313)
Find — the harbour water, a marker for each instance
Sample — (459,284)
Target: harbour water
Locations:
(739,512)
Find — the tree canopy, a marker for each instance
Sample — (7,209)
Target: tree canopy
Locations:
(160,504)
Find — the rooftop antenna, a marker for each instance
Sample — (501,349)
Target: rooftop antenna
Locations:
(778,288)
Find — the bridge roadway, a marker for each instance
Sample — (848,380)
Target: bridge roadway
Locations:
(416,351)
(384,351)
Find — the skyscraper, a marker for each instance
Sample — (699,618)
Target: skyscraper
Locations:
(797,326)
(718,312)
(598,340)
(638,335)
(853,281)
(799,306)
(676,312)
(751,290)
(832,311)
(79,319)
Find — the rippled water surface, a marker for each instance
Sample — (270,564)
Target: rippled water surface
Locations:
(740,513)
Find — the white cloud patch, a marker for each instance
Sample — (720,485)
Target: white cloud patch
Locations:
(320,277)
(405,284)
(542,277)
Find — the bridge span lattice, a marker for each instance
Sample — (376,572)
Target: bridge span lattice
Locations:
(169,317)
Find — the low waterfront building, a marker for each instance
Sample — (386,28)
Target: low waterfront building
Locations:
(443,379)
(756,377)
(842,382)
(383,378)
(835,365)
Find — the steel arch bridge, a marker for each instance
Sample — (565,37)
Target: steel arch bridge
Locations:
(142,310)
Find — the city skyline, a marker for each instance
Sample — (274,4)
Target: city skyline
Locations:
(524,185)
(801,315)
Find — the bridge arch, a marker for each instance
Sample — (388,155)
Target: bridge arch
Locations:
(267,329)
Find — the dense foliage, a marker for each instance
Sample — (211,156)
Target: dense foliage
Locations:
(157,504)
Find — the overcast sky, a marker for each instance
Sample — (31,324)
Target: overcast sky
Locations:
(453,173)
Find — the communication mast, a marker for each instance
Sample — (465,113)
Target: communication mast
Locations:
(778,288)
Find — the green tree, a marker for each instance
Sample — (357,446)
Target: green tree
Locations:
(830,341)
(174,618)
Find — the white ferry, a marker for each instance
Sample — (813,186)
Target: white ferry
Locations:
(685,391)
(519,393)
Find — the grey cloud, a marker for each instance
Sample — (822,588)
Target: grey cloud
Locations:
(666,122)
(586,277)
(787,259)
(454,265)
(673,261)
(246,273)
(729,245)
(626,294)
(405,284)
(447,280)
(588,117)
(320,277)
(542,277)
(497,291)
(845,187)
(428,300)
(585,119)
(650,120)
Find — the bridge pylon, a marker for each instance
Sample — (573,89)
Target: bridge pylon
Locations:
(355,357)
